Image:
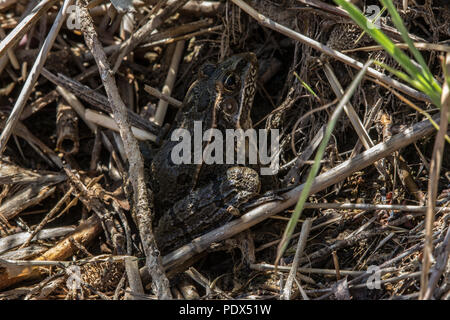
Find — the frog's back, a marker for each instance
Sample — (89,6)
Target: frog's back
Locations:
(220,98)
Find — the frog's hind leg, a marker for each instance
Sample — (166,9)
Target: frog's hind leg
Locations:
(206,208)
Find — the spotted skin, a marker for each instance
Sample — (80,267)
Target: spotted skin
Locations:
(191,199)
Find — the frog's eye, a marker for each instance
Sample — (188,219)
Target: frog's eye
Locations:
(230,106)
(231,81)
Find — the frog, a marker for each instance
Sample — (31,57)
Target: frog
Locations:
(192,199)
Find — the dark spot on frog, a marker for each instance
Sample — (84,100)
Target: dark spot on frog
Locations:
(155,187)
(207,70)
(183,179)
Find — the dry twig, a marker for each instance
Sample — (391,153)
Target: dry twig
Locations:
(321,182)
(435,168)
(35,70)
(136,165)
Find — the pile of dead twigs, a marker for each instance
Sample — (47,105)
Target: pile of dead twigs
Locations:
(83,84)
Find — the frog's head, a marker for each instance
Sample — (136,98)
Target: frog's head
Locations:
(225,91)
(235,86)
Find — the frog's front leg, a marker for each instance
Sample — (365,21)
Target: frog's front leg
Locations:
(207,207)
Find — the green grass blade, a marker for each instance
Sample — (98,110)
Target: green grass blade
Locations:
(421,78)
(404,77)
(306,86)
(315,167)
(379,37)
(397,20)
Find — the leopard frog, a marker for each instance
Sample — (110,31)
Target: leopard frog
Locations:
(191,199)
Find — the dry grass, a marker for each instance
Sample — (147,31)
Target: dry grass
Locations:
(369,202)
